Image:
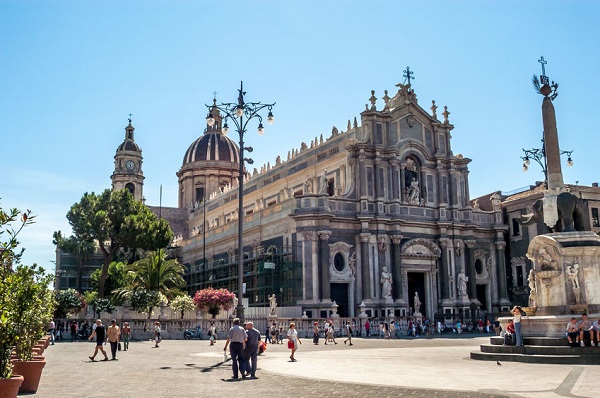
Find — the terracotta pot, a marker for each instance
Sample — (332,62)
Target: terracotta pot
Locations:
(46,341)
(39,347)
(9,388)
(31,372)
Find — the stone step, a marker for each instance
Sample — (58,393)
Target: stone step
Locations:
(534,340)
(546,359)
(540,350)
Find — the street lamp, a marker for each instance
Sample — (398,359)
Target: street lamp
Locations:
(240,114)
(539,155)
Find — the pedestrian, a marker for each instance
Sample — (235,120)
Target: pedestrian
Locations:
(316,333)
(293,340)
(126,332)
(51,328)
(250,352)
(157,338)
(268,335)
(367,327)
(509,333)
(73,329)
(331,332)
(497,327)
(349,329)
(112,335)
(212,333)
(237,336)
(517,313)
(100,335)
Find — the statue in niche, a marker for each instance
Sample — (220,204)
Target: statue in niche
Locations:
(272,304)
(545,260)
(324,182)
(496,202)
(414,192)
(532,289)
(572,273)
(386,283)
(462,284)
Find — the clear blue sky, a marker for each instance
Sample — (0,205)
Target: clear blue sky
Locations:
(72,71)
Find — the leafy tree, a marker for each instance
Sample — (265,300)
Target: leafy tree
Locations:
(182,303)
(99,304)
(81,249)
(68,301)
(8,250)
(143,300)
(117,278)
(213,300)
(116,220)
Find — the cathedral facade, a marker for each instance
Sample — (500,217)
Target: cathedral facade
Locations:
(374,219)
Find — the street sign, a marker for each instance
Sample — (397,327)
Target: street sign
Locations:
(269,265)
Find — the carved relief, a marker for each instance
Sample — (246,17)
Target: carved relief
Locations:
(546,258)
(381,243)
(364,237)
(347,272)
(309,235)
(421,248)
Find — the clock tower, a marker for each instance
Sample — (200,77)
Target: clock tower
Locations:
(128,166)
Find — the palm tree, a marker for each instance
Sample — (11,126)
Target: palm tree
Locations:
(154,273)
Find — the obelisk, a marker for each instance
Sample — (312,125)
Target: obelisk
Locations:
(551,148)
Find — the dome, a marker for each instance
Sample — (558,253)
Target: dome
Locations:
(212,146)
(128,146)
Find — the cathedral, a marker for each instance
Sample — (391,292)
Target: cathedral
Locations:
(376,219)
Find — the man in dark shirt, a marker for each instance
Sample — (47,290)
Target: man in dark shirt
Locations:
(100,335)
(250,352)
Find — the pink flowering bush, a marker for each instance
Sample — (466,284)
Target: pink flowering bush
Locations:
(213,300)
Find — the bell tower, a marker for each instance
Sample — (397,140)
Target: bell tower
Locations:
(128,166)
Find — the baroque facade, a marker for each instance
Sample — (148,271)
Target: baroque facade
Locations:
(376,218)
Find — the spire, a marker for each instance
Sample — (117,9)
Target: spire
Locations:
(129,130)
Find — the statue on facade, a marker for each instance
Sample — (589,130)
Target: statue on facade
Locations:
(324,182)
(532,288)
(272,304)
(462,284)
(572,273)
(417,303)
(307,186)
(476,205)
(235,304)
(496,202)
(386,283)
(414,192)
(545,260)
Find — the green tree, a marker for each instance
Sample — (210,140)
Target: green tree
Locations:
(68,301)
(116,220)
(143,300)
(156,272)
(98,304)
(116,279)
(81,249)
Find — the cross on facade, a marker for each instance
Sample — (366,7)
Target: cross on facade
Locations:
(543,62)
(214,95)
(408,75)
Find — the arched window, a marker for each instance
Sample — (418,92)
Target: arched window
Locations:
(131,188)
(338,262)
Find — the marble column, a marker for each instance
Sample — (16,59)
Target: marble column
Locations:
(396,267)
(501,270)
(310,277)
(364,266)
(444,282)
(551,148)
(325,288)
(470,265)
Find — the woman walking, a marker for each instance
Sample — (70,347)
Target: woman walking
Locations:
(126,333)
(316,333)
(517,313)
(156,334)
(293,340)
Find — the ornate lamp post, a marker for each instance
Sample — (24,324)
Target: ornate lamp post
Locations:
(240,114)
(539,155)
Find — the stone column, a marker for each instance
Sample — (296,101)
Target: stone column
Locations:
(470,265)
(381,260)
(402,184)
(444,283)
(501,271)
(310,277)
(395,176)
(396,267)
(362,191)
(551,148)
(364,266)
(325,288)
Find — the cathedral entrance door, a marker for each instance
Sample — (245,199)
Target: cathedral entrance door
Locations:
(339,294)
(482,296)
(416,283)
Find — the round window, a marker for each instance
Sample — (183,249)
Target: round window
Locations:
(478,266)
(338,262)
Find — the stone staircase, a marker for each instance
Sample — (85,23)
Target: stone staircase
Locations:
(550,350)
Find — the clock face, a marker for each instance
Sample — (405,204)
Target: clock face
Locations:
(130,165)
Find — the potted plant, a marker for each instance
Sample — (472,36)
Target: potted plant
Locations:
(213,300)
(34,302)
(9,315)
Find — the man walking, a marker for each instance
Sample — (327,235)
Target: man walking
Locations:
(100,335)
(250,352)
(113,338)
(237,337)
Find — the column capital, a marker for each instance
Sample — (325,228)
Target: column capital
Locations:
(445,242)
(324,235)
(500,245)
(364,237)
(396,239)
(309,235)
(470,243)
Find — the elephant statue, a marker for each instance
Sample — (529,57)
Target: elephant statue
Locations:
(570,216)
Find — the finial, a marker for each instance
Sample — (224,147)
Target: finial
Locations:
(386,99)
(446,114)
(129,119)
(407,75)
(433,109)
(543,76)
(355,123)
(373,100)
(349,125)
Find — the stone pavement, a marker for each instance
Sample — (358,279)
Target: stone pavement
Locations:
(437,367)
